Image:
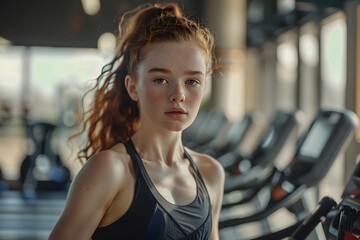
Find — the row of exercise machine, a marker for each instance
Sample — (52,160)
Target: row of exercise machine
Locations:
(257,179)
(253,175)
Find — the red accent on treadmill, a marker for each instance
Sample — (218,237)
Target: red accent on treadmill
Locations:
(349,236)
(278,193)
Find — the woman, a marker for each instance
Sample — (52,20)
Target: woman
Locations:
(139,181)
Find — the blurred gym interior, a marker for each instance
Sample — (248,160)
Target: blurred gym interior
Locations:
(281,117)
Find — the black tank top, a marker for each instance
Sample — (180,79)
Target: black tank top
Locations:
(150,216)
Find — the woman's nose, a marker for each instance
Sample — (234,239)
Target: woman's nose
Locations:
(177,95)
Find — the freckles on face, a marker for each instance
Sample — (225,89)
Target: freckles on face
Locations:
(171,75)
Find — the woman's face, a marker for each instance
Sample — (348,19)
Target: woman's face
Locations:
(169,85)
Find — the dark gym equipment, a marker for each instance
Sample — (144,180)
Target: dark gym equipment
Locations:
(189,133)
(271,142)
(32,212)
(329,133)
(43,169)
(260,165)
(235,134)
(339,222)
(344,220)
(204,129)
(324,206)
(3,184)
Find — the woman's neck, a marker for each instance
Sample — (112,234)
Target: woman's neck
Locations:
(165,148)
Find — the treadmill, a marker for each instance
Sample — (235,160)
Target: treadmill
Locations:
(329,134)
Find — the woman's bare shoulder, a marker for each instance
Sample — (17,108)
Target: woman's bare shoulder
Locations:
(112,165)
(92,192)
(209,167)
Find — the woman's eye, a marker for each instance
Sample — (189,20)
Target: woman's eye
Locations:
(160,81)
(192,82)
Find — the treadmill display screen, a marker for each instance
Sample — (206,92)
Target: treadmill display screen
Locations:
(317,138)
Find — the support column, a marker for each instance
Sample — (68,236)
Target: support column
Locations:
(227,19)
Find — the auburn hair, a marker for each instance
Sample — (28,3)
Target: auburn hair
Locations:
(113,116)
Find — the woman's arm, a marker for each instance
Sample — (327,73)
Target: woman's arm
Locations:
(91,193)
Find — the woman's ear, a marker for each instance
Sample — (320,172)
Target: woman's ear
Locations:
(131,87)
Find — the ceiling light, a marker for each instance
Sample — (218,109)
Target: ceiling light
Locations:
(91,7)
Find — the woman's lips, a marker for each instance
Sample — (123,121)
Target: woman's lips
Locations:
(176,113)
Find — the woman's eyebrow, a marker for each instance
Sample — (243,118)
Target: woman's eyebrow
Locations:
(164,70)
(194,73)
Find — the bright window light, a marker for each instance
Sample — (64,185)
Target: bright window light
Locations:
(333,37)
(309,49)
(287,55)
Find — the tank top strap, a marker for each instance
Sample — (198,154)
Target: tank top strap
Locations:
(197,173)
(131,150)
